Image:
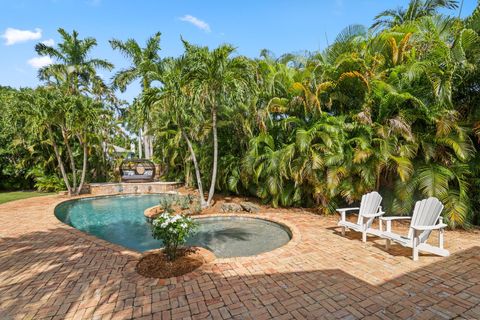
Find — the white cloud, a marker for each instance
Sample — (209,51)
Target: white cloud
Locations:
(49,42)
(196,22)
(13,36)
(39,62)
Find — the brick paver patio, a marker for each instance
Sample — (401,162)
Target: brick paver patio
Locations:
(49,270)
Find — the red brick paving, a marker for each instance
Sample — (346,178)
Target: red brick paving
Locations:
(51,271)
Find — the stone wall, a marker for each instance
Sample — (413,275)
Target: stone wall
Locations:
(132,188)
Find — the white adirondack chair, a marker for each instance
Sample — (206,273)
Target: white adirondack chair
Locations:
(426,218)
(367,212)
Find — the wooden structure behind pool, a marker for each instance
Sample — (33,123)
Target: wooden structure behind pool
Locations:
(137,170)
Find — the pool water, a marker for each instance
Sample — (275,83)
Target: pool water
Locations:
(120,220)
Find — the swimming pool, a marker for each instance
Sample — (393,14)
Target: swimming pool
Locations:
(120,220)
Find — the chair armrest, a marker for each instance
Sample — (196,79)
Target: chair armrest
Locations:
(389,221)
(347,209)
(343,212)
(436,227)
(378,214)
(395,218)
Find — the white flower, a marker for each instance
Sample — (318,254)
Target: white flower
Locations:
(176,218)
(165,215)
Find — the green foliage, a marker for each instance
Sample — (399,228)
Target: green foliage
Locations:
(62,129)
(393,109)
(416,9)
(46,182)
(166,204)
(183,202)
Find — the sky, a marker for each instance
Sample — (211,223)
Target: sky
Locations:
(281,26)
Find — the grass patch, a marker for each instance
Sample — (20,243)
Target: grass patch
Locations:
(17,195)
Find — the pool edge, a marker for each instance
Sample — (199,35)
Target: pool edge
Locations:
(294,241)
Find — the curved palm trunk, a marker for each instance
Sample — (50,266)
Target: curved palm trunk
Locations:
(197,169)
(59,160)
(215,156)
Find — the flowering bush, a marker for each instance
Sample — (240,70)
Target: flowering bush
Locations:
(173,230)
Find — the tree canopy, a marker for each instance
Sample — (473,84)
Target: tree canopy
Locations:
(393,108)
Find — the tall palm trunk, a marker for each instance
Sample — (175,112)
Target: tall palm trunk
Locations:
(84,167)
(147,143)
(215,156)
(72,160)
(150,145)
(197,169)
(104,169)
(140,143)
(59,160)
(146,137)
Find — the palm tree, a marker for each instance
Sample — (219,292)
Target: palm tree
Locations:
(44,112)
(48,111)
(416,9)
(75,73)
(218,79)
(144,64)
(72,68)
(174,105)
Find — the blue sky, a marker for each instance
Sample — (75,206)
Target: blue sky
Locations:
(251,25)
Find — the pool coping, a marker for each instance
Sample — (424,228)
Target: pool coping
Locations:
(136,255)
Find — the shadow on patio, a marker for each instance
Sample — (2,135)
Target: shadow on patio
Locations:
(445,289)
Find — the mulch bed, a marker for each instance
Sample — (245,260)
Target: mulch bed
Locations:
(154,264)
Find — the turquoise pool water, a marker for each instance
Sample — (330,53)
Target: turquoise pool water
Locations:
(120,220)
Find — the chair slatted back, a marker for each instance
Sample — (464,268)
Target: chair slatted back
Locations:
(369,205)
(425,213)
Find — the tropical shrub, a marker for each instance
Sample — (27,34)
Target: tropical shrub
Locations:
(46,182)
(173,231)
(180,204)
(166,204)
(392,109)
